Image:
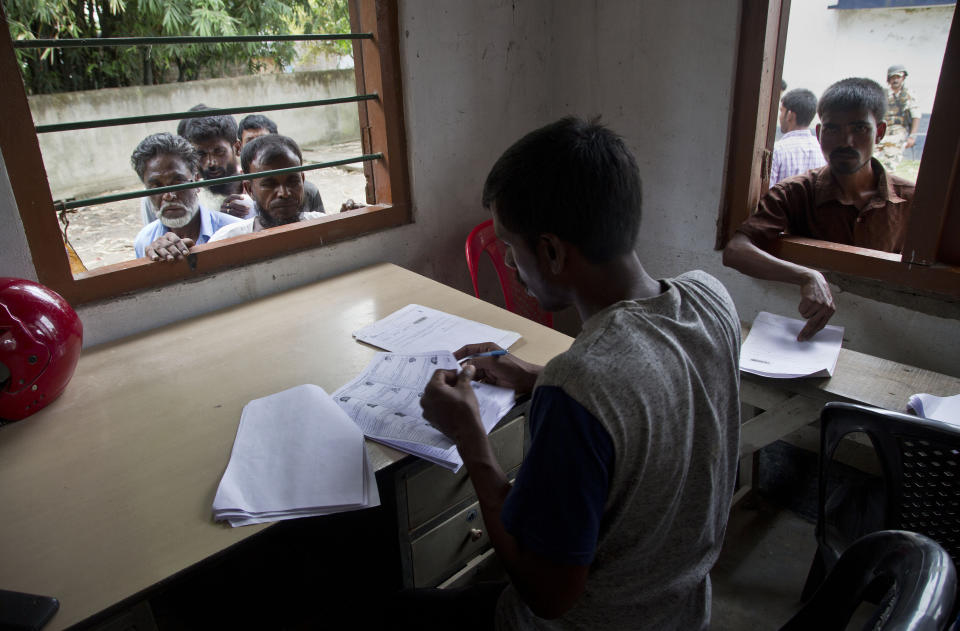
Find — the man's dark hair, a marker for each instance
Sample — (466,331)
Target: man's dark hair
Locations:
(256,121)
(783,85)
(572,178)
(267,148)
(182,125)
(209,127)
(162,144)
(801,102)
(854,94)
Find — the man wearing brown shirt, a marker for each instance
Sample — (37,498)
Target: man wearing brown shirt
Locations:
(852,200)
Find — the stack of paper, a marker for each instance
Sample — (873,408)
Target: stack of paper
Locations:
(772,350)
(296,454)
(946,409)
(385,402)
(417,329)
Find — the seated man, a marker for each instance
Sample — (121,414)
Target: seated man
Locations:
(851,200)
(256,125)
(166,160)
(619,509)
(797,151)
(277,199)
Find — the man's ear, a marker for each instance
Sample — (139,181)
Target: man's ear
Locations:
(881,131)
(246,187)
(236,148)
(791,118)
(552,252)
(818,131)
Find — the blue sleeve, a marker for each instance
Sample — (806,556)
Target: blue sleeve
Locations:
(144,238)
(556,504)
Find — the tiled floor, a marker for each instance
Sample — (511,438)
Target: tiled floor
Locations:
(760,573)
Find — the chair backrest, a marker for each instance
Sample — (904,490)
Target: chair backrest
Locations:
(916,574)
(483,239)
(920,460)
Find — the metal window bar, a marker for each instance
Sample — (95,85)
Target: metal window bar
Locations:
(97,42)
(61,206)
(153,118)
(116,197)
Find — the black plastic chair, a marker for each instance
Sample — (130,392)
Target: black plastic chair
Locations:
(915,574)
(919,492)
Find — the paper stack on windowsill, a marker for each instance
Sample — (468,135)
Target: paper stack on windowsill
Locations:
(296,454)
(946,409)
(772,350)
(418,329)
(385,403)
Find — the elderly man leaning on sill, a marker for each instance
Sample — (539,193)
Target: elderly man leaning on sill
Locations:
(166,160)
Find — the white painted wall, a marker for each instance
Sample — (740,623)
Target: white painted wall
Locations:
(476,76)
(826,45)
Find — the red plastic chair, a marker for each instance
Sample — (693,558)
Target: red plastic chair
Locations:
(483,239)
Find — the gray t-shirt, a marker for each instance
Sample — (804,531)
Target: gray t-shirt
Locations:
(662,377)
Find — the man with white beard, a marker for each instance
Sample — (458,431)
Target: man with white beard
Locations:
(165,160)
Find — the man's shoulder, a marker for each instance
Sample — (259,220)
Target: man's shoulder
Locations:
(902,186)
(233,229)
(219,219)
(800,184)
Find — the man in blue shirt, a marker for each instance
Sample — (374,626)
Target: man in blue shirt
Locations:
(166,160)
(619,509)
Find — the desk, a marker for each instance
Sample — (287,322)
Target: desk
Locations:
(790,404)
(109,490)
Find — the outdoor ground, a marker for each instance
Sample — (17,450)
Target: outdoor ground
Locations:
(104,234)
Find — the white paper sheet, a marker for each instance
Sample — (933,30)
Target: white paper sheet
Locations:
(772,350)
(384,401)
(296,454)
(418,329)
(946,409)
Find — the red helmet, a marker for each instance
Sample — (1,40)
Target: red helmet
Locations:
(40,339)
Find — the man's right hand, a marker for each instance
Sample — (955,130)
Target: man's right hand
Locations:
(237,205)
(816,304)
(506,371)
(168,247)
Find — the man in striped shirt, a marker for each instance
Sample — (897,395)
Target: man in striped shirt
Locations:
(797,151)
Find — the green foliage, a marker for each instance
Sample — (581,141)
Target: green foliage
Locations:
(67,69)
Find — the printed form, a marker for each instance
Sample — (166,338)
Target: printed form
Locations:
(384,401)
(419,329)
(772,350)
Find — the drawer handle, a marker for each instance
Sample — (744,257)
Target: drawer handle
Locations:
(475,534)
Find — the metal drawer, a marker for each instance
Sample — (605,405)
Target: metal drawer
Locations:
(432,489)
(444,549)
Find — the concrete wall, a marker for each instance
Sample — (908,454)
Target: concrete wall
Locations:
(67,154)
(477,75)
(826,45)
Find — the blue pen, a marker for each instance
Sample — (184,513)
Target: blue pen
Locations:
(486,354)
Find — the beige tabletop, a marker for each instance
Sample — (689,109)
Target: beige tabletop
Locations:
(787,405)
(109,490)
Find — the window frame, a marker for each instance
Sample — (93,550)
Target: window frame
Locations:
(377,70)
(931,254)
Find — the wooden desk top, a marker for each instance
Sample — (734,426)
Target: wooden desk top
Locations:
(862,378)
(109,490)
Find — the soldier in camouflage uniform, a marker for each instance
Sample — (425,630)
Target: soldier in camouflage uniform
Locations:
(903,120)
